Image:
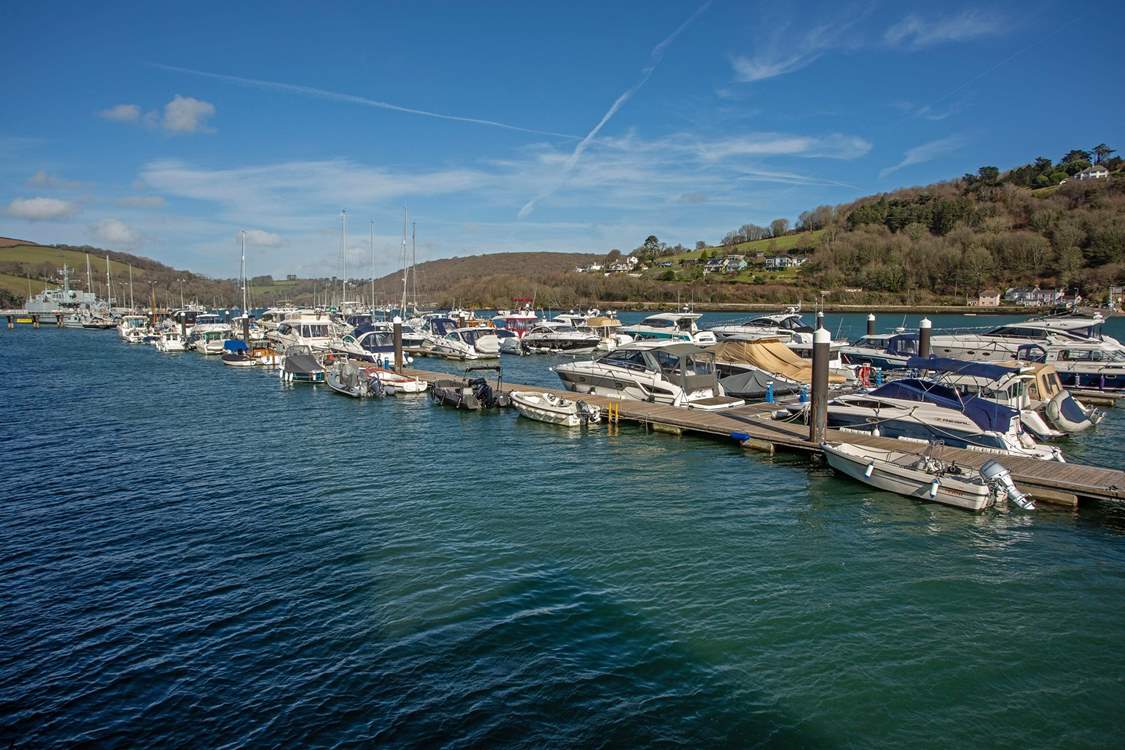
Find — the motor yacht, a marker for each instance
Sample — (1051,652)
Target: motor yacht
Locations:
(886,351)
(559,337)
(675,374)
(467,343)
(369,343)
(208,338)
(133,328)
(170,341)
(779,325)
(1080,365)
(670,327)
(309,329)
(1004,341)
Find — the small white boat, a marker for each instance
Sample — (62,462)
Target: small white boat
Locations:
(397,383)
(170,341)
(925,477)
(547,407)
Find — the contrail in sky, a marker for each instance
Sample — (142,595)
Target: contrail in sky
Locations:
(654,59)
(352,99)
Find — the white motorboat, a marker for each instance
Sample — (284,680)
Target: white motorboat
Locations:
(467,343)
(395,382)
(550,408)
(1005,341)
(369,343)
(311,329)
(518,321)
(779,325)
(925,411)
(209,339)
(675,374)
(559,337)
(272,318)
(1079,365)
(170,341)
(510,343)
(670,327)
(886,351)
(925,477)
(133,328)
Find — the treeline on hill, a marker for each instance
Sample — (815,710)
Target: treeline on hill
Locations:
(985,229)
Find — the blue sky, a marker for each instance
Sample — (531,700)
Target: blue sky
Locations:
(165,128)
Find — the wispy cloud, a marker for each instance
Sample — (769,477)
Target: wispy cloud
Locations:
(142,201)
(316,93)
(784,49)
(115,233)
(40,209)
(262,238)
(927,111)
(655,56)
(926,152)
(915,32)
(121,113)
(43,179)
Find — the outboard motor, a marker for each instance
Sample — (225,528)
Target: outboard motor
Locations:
(483,391)
(588,413)
(999,480)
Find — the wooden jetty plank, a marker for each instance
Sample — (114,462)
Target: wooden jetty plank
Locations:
(1053,479)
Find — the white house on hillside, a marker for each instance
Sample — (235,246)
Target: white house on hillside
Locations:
(1096,172)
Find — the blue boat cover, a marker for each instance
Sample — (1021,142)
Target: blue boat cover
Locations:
(988,415)
(960,367)
(235,345)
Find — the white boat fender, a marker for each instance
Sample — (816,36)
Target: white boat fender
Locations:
(867,472)
(1065,413)
(934,487)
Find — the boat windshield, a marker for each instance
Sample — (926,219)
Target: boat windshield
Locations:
(377,340)
(1090,355)
(474,335)
(631,359)
(1017,332)
(314,330)
(659,323)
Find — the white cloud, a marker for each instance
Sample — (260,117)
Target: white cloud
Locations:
(115,232)
(784,50)
(42,179)
(263,238)
(142,201)
(40,209)
(185,114)
(926,152)
(834,146)
(121,113)
(914,32)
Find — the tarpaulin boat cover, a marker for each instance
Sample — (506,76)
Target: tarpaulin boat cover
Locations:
(752,385)
(304,363)
(770,355)
(988,415)
(961,367)
(235,345)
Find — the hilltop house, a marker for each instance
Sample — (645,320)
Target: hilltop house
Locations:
(1033,296)
(1096,172)
(726,264)
(986,298)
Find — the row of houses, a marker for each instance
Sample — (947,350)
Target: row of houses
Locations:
(628,264)
(739,263)
(1029,296)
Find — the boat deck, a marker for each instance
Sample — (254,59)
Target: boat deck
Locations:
(1049,481)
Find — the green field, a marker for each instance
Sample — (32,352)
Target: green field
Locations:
(36,254)
(769,246)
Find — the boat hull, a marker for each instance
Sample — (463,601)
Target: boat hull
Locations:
(891,477)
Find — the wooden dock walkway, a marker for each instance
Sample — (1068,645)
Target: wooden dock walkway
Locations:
(1050,481)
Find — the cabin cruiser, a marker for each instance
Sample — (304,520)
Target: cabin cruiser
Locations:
(272,318)
(519,321)
(370,343)
(801,344)
(170,341)
(209,338)
(607,330)
(885,351)
(772,358)
(1004,341)
(559,337)
(1045,409)
(467,343)
(510,343)
(302,329)
(670,327)
(676,374)
(1080,365)
(133,328)
(923,410)
(432,329)
(239,325)
(300,365)
(781,325)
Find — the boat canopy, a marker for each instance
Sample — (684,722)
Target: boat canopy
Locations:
(235,345)
(988,415)
(770,355)
(603,322)
(985,370)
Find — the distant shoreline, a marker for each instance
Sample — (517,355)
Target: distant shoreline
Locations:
(837,308)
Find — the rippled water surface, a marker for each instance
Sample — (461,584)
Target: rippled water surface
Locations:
(197,556)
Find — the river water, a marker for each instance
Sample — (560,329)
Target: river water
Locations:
(197,556)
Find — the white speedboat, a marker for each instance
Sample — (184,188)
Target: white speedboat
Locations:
(547,407)
(518,321)
(133,328)
(1080,365)
(395,382)
(780,325)
(209,339)
(925,411)
(370,343)
(1005,341)
(925,477)
(675,374)
(467,343)
(670,327)
(886,351)
(559,337)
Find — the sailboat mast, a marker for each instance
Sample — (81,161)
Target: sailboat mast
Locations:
(344,252)
(131,308)
(242,272)
(413,264)
(89,278)
(372,241)
(108,287)
(405,267)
